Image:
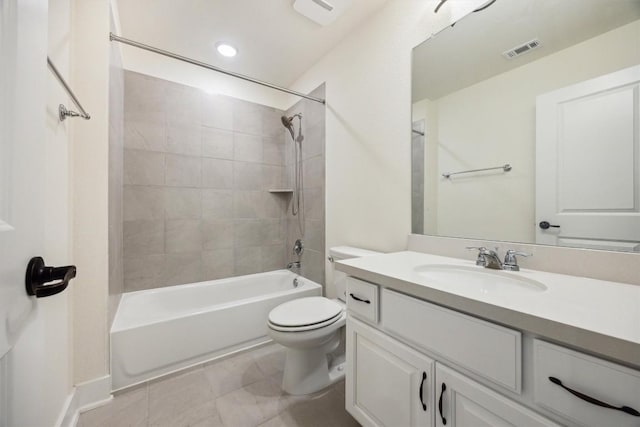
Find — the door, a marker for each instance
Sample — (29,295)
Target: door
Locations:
(588,163)
(462,402)
(23,53)
(387,383)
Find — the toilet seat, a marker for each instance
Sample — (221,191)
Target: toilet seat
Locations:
(305,314)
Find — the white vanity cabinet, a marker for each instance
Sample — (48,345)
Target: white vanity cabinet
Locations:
(463,402)
(502,358)
(391,384)
(387,383)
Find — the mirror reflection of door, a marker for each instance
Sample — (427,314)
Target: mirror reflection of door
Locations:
(587,163)
(481,111)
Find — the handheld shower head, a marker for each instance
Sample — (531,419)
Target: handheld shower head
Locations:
(288,123)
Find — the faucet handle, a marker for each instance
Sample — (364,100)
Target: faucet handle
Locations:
(510,260)
(481,260)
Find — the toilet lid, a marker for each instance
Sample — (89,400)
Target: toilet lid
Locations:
(304,312)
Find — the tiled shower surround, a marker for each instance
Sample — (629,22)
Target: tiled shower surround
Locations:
(313,167)
(197,170)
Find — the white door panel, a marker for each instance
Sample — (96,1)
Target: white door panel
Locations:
(23,53)
(588,163)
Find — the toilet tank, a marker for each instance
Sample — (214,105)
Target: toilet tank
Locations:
(338,253)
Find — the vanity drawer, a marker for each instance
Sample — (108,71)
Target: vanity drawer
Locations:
(596,378)
(362,299)
(488,350)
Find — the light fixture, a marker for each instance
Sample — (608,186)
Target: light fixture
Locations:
(226,49)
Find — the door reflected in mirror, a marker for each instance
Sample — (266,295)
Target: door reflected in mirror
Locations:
(526,125)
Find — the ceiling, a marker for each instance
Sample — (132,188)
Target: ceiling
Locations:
(471,51)
(274,42)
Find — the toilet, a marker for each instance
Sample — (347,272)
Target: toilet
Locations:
(311,329)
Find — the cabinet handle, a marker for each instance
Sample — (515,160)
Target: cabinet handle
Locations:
(593,401)
(360,299)
(444,388)
(424,378)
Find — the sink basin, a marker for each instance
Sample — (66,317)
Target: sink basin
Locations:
(479,279)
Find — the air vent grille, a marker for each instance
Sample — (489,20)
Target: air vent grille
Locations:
(522,49)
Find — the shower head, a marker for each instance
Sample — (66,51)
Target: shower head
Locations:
(288,123)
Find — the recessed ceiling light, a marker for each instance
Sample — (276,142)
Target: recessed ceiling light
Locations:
(226,49)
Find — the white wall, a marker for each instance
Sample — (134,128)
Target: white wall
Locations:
(90,69)
(40,364)
(368,84)
(503,131)
(58,232)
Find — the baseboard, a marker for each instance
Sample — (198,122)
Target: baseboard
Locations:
(85,396)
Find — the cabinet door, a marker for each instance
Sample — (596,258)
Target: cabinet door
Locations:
(387,383)
(462,402)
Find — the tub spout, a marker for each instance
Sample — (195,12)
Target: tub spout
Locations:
(295,264)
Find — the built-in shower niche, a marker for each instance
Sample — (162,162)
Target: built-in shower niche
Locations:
(197,173)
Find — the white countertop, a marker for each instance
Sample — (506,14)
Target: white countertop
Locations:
(594,315)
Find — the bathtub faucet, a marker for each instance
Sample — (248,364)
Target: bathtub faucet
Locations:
(295,264)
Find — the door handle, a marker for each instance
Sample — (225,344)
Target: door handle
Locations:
(444,388)
(38,275)
(424,378)
(545,225)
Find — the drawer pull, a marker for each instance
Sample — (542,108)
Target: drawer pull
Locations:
(360,299)
(444,388)
(424,378)
(625,409)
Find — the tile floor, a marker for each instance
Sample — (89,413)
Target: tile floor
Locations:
(239,391)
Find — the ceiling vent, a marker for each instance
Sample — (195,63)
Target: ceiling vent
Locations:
(322,12)
(522,49)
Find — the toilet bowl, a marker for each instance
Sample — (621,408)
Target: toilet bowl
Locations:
(311,329)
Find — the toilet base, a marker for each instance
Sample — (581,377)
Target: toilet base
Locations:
(310,370)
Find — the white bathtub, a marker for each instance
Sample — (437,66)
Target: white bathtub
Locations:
(163,330)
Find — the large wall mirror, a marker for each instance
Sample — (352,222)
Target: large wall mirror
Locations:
(526,125)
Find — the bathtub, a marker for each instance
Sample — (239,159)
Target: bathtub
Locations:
(162,330)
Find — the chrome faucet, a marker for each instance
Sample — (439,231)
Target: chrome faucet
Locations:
(294,264)
(487,258)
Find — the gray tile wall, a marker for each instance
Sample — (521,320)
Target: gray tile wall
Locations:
(313,166)
(116,134)
(197,169)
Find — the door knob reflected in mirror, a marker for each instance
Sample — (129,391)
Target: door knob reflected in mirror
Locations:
(545,225)
(39,274)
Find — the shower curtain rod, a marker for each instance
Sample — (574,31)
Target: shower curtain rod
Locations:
(113,37)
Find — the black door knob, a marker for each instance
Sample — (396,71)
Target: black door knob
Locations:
(38,275)
(545,225)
